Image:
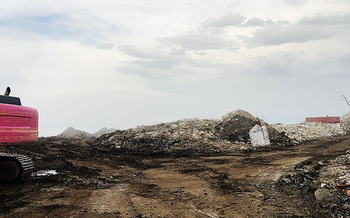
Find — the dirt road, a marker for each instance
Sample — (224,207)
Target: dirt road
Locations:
(96,182)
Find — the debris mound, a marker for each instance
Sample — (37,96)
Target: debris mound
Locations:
(72,133)
(236,125)
(334,186)
(345,122)
(103,130)
(181,134)
(309,130)
(197,134)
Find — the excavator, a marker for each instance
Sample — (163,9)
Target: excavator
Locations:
(18,126)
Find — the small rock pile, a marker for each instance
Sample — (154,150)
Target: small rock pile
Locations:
(309,130)
(208,134)
(335,173)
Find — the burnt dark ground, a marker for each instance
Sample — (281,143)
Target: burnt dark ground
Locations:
(97,181)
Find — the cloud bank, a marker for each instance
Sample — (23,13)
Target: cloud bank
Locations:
(91,64)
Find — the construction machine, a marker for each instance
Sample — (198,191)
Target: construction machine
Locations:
(18,126)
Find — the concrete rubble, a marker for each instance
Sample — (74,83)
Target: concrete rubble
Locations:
(309,130)
(345,122)
(231,132)
(334,175)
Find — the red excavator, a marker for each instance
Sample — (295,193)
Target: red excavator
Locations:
(18,126)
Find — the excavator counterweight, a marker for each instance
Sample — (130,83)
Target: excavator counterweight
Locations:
(18,126)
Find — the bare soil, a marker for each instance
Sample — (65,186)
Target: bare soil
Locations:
(93,181)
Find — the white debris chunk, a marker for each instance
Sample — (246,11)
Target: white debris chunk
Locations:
(259,136)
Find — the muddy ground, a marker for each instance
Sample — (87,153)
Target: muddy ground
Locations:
(96,182)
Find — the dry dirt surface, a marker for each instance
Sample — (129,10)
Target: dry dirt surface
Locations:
(93,181)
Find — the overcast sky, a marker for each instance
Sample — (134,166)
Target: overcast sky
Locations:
(119,64)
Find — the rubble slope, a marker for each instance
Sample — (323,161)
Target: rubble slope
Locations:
(231,132)
(309,130)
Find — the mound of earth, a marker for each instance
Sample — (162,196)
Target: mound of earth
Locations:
(103,130)
(235,126)
(231,132)
(72,133)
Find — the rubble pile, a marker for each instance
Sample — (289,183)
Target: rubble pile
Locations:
(205,134)
(345,122)
(187,133)
(235,127)
(103,130)
(334,186)
(72,133)
(309,130)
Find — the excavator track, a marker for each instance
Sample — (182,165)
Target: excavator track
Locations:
(15,167)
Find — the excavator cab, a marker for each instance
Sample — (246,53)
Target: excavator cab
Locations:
(18,126)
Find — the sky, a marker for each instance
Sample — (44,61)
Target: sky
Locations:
(119,64)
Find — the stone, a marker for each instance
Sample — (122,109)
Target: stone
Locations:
(322,194)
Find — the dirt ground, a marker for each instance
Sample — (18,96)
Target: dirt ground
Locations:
(96,182)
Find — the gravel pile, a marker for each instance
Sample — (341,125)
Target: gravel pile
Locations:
(309,130)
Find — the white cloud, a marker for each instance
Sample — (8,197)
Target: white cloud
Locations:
(197,42)
(227,20)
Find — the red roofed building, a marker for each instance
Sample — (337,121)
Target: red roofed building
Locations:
(323,119)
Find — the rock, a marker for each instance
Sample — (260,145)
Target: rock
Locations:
(346,207)
(322,194)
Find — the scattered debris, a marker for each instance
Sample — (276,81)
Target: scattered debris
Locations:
(334,180)
(44,173)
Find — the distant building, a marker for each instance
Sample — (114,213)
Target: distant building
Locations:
(323,119)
